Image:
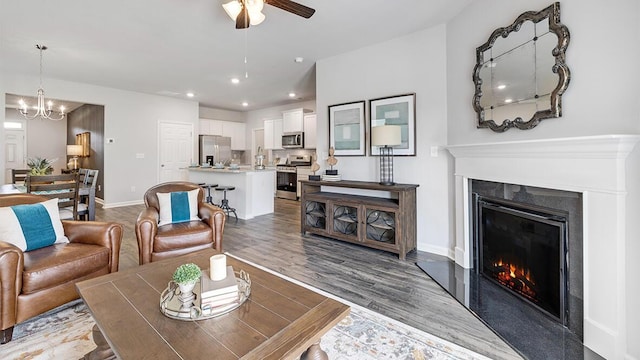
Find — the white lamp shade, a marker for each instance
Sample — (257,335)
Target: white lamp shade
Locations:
(74,150)
(386,135)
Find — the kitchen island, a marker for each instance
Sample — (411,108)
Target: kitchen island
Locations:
(253,195)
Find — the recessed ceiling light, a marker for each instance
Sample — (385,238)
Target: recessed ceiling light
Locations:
(235,81)
(245,104)
(508,101)
(298,59)
(292,94)
(501,86)
(190,94)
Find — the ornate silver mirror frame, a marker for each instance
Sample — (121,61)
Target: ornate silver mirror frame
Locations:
(521,73)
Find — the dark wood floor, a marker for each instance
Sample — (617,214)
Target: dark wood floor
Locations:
(374,279)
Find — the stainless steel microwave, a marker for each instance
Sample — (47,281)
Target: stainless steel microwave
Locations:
(293,140)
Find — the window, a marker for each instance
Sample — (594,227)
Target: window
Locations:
(12,125)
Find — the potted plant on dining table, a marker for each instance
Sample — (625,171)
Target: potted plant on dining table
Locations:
(40,166)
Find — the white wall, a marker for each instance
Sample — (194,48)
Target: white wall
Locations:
(220,114)
(411,64)
(602,97)
(602,56)
(130,118)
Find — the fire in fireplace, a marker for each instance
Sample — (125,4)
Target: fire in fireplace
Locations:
(523,248)
(515,277)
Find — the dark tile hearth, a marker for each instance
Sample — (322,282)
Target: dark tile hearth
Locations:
(530,332)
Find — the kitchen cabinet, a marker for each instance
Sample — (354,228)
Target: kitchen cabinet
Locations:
(232,129)
(273,134)
(310,135)
(211,127)
(236,131)
(377,222)
(293,120)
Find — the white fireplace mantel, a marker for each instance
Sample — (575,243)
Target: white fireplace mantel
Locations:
(594,166)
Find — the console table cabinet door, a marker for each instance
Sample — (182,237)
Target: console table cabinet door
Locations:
(345,220)
(315,216)
(380,223)
(380,227)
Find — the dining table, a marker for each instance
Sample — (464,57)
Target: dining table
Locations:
(83,190)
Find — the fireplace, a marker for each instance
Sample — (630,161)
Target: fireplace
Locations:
(522,248)
(600,174)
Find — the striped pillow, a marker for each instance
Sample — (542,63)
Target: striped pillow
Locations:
(32,226)
(179,206)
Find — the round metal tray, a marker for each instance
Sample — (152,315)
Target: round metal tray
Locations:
(171,306)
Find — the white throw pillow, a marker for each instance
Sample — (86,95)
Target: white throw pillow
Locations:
(179,206)
(32,226)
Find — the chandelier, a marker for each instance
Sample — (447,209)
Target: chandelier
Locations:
(254,10)
(44,108)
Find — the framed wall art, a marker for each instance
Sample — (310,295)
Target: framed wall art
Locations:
(347,129)
(395,110)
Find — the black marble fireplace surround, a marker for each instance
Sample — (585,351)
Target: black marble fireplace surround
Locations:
(534,333)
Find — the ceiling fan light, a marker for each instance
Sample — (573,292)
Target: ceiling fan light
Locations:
(254,5)
(256,18)
(232,8)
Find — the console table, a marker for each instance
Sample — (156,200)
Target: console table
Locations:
(380,216)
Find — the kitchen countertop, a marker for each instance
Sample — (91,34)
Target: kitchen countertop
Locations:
(242,169)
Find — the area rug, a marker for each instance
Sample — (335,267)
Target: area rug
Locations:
(65,333)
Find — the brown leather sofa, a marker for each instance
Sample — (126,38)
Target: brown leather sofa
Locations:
(162,242)
(36,281)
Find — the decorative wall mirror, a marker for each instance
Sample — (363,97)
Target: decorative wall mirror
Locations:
(520,72)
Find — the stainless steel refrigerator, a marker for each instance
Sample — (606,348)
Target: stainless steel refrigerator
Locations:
(214,149)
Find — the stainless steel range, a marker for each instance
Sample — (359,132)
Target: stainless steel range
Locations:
(287,178)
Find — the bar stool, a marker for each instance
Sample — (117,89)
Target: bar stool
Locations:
(208,198)
(225,203)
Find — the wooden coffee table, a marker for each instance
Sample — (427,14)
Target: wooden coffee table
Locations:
(280,320)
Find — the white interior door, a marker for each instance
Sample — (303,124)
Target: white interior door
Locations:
(176,150)
(14,152)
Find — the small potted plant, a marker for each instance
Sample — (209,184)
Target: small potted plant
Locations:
(40,166)
(186,276)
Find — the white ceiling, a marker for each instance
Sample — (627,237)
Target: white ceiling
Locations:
(170,47)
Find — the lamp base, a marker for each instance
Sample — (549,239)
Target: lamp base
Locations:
(73,163)
(386,183)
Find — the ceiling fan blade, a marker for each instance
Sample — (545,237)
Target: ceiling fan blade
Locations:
(242,21)
(292,7)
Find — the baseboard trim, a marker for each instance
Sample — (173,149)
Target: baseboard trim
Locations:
(600,339)
(438,250)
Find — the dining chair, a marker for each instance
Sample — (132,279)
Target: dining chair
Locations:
(19,175)
(87,177)
(63,187)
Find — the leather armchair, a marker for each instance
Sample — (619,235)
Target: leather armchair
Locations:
(37,281)
(162,242)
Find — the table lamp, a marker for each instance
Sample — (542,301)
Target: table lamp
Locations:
(75,151)
(385,137)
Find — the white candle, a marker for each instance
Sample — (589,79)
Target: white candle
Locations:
(218,267)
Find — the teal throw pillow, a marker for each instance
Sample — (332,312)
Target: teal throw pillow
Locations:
(32,226)
(177,207)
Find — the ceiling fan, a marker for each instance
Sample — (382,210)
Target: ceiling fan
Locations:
(249,12)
